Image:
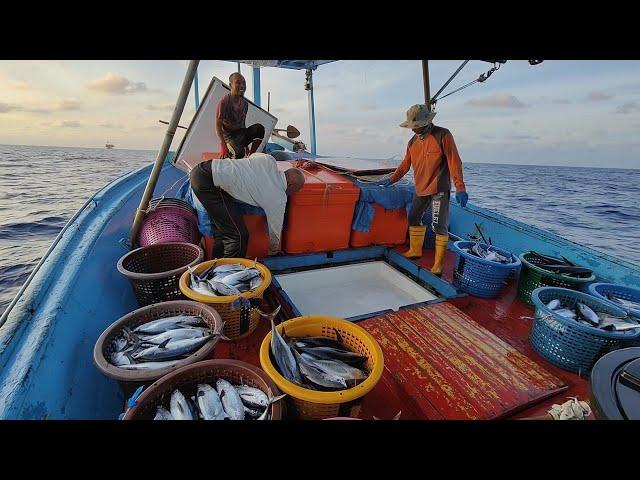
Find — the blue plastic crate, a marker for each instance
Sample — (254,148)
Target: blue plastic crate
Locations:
(567,343)
(600,290)
(479,277)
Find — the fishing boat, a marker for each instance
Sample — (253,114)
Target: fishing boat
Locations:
(448,354)
(109,146)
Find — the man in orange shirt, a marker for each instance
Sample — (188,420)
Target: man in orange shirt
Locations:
(434,157)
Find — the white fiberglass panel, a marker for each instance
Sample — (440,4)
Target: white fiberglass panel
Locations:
(351,290)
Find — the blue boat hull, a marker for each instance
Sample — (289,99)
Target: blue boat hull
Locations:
(47,339)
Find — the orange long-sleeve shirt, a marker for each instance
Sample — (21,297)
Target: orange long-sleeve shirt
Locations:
(431,168)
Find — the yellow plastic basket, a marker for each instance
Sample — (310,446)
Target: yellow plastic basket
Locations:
(314,405)
(239,322)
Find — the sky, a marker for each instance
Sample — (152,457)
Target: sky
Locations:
(574,113)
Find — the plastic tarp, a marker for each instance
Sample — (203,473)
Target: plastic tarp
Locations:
(205,225)
(398,195)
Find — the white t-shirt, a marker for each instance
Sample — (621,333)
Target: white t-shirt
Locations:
(257,181)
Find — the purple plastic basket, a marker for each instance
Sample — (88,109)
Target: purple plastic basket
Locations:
(169,223)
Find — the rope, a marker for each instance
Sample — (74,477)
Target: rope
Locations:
(151,209)
(482,78)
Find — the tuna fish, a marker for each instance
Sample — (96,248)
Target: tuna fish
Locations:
(231,400)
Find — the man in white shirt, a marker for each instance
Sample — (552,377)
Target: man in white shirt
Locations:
(255,180)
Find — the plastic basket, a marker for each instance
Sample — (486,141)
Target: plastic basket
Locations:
(600,290)
(568,344)
(154,271)
(480,277)
(315,405)
(240,319)
(169,220)
(129,379)
(532,277)
(188,378)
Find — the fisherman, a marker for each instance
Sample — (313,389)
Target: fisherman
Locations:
(230,117)
(434,157)
(255,180)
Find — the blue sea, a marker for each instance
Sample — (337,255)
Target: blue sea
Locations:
(42,187)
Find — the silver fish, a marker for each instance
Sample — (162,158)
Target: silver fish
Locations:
(179,407)
(618,326)
(553,304)
(203,288)
(565,312)
(209,403)
(231,400)
(148,365)
(229,268)
(255,282)
(340,369)
(119,344)
(254,397)
(177,334)
(623,302)
(163,414)
(282,353)
(169,349)
(589,314)
(243,276)
(223,288)
(119,359)
(170,323)
(316,375)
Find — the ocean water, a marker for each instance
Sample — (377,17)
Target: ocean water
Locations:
(42,187)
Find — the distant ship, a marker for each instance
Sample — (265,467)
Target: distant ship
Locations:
(109,146)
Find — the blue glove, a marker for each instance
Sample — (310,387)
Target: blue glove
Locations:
(462,198)
(385,182)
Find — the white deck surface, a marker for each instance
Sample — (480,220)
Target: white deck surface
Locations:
(351,290)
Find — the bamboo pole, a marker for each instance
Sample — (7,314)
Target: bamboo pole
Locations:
(164,149)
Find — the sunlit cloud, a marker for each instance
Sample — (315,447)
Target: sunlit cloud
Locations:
(22,85)
(69,104)
(68,124)
(115,84)
(110,125)
(497,101)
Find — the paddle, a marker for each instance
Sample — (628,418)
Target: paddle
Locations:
(292,132)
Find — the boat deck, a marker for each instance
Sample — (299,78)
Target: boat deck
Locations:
(506,317)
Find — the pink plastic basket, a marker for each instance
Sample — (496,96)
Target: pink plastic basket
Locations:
(169,223)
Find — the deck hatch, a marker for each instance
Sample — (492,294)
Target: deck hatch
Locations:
(348,291)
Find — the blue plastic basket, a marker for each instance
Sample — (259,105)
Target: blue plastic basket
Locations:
(479,277)
(567,343)
(600,290)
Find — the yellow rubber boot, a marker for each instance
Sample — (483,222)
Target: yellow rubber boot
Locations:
(416,240)
(441,248)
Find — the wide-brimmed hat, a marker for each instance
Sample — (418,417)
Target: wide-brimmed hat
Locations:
(418,116)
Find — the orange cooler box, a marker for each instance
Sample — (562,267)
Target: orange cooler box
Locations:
(319,215)
(258,238)
(389,227)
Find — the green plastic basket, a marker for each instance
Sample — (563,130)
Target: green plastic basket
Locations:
(532,277)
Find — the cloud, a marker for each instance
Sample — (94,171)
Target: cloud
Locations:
(68,124)
(22,85)
(497,101)
(628,107)
(369,106)
(110,125)
(6,107)
(597,97)
(165,106)
(522,138)
(115,84)
(69,104)
(561,101)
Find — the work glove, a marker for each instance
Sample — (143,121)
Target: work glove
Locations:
(462,198)
(385,182)
(224,153)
